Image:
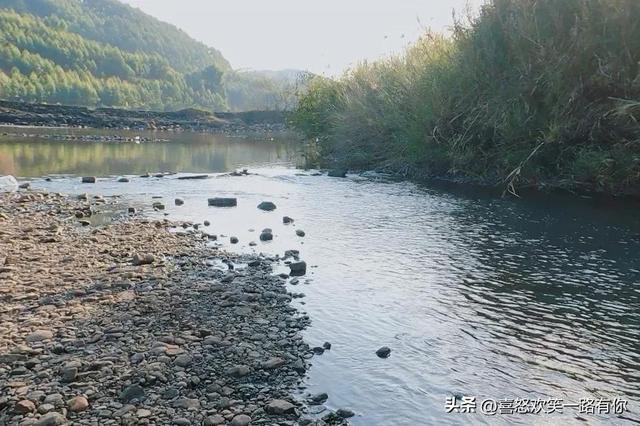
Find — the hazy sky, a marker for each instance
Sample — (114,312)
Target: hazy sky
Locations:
(323,36)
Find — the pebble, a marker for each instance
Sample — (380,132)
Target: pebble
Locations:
(300,233)
(78,403)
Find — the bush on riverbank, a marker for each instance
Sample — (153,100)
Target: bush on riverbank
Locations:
(528,92)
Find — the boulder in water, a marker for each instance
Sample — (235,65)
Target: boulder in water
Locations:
(267,206)
(223,202)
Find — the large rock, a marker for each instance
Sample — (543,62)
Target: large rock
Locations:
(223,202)
(78,403)
(39,335)
(280,406)
(267,206)
(51,419)
(143,259)
(273,363)
(238,371)
(241,420)
(214,420)
(344,413)
(132,392)
(8,184)
(266,235)
(183,360)
(340,173)
(24,407)
(298,268)
(89,179)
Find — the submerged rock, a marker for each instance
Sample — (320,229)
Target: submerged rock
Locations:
(123,180)
(179,201)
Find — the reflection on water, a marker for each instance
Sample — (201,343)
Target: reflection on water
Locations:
(475,295)
(185,152)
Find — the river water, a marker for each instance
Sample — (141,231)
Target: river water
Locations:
(475,295)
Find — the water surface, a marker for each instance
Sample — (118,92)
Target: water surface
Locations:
(476,295)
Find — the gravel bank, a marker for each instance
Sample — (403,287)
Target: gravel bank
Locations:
(127,324)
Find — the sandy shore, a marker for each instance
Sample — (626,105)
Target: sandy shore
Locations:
(128,324)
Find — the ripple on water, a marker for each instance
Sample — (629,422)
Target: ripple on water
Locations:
(475,296)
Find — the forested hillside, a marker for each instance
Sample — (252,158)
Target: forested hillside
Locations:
(105,53)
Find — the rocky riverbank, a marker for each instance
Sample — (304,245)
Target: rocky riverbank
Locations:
(28,114)
(127,324)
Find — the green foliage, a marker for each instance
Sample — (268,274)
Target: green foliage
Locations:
(529,91)
(42,61)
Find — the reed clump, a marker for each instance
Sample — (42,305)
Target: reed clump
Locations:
(526,93)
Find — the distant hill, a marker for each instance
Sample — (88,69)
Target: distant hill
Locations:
(106,53)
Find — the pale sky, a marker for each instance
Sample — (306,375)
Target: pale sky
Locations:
(322,36)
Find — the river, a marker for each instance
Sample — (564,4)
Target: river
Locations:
(475,295)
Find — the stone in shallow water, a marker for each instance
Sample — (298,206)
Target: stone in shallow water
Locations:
(300,233)
(298,268)
(267,206)
(345,413)
(89,179)
(223,202)
(384,352)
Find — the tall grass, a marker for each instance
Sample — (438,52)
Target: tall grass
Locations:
(529,92)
